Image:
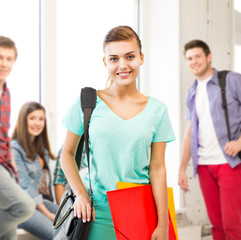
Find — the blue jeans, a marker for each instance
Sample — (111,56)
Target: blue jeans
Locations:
(16,205)
(39,225)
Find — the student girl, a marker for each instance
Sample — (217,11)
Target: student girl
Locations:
(31,151)
(124,126)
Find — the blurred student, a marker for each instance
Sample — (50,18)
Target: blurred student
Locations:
(60,182)
(215,158)
(32,152)
(16,206)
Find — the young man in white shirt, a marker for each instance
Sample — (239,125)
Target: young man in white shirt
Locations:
(215,158)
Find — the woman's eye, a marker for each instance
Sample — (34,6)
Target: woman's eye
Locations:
(113,59)
(130,57)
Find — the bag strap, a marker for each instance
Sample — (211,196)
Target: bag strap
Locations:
(222,83)
(67,196)
(88,101)
(79,151)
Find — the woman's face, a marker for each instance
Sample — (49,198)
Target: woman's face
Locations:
(36,122)
(123,60)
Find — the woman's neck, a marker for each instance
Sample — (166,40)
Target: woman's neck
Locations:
(123,91)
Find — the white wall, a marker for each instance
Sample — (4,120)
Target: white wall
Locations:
(159,77)
(49,64)
(211,21)
(164,28)
(160,73)
(23,28)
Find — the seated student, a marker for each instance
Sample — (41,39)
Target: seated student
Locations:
(60,182)
(31,151)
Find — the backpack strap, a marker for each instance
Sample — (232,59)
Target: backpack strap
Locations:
(222,83)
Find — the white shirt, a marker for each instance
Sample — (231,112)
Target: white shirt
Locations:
(209,150)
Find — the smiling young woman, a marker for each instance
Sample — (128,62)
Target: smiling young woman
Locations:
(124,126)
(31,151)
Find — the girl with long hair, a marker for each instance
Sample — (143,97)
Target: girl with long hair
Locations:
(32,152)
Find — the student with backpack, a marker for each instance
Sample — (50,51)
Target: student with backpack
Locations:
(215,157)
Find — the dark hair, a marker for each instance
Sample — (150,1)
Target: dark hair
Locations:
(22,135)
(121,33)
(196,43)
(8,43)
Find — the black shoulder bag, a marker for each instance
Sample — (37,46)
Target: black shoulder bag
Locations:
(222,83)
(68,227)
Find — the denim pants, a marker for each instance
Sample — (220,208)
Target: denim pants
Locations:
(39,225)
(16,205)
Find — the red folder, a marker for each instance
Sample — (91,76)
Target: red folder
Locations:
(134,214)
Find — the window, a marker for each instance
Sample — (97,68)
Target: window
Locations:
(82,26)
(19,20)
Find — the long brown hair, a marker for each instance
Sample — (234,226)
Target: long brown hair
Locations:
(21,134)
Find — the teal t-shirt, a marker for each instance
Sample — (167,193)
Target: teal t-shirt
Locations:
(119,149)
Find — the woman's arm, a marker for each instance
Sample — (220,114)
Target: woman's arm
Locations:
(42,208)
(159,189)
(60,180)
(29,184)
(82,203)
(59,191)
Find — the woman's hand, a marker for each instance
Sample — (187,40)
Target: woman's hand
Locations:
(42,208)
(160,234)
(82,208)
(51,216)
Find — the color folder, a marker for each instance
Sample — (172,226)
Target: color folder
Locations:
(134,214)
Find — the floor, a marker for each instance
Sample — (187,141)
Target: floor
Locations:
(23,235)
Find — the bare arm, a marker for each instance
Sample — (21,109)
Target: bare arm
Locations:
(159,189)
(186,154)
(59,191)
(82,203)
(42,208)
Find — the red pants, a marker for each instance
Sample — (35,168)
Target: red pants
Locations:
(221,189)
